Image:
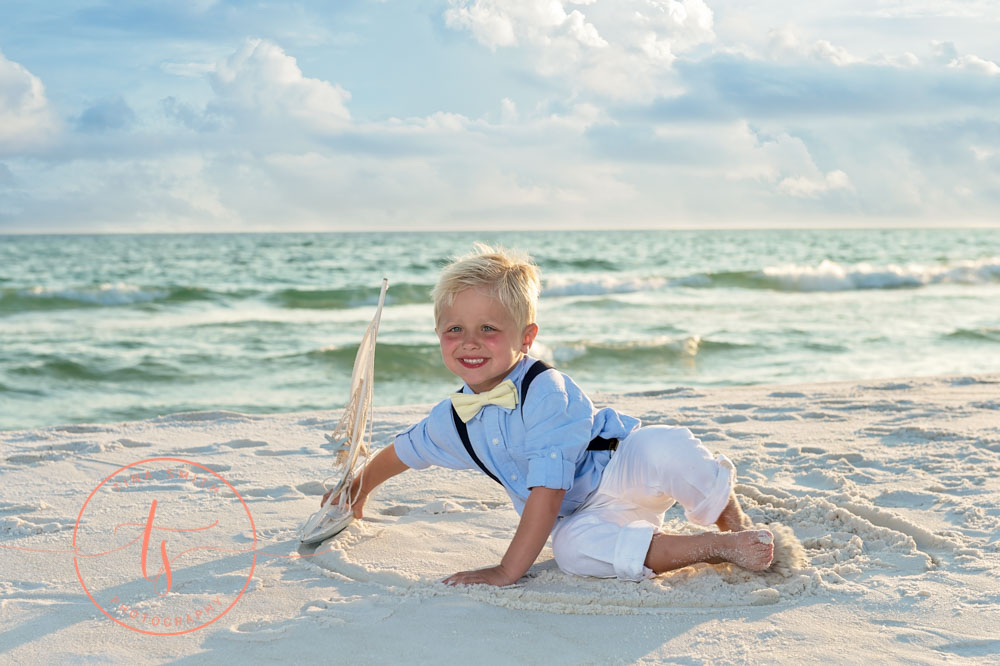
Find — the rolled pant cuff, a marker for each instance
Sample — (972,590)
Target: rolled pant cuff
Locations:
(710,508)
(630,551)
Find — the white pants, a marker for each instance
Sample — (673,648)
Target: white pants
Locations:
(655,466)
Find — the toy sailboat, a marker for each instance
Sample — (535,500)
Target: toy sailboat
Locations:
(352,436)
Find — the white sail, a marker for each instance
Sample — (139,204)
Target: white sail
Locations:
(352,436)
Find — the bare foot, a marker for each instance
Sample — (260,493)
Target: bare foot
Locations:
(750,549)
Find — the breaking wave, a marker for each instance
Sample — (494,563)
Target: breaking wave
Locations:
(832,276)
(828,276)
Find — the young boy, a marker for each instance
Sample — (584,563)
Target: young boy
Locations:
(593,479)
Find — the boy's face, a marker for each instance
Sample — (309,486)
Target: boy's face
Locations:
(480,341)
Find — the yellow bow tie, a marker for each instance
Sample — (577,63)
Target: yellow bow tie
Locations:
(468,405)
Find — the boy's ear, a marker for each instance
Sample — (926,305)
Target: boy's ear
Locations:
(530,331)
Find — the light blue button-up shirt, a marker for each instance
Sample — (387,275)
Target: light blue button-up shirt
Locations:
(540,443)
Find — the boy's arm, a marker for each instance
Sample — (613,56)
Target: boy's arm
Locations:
(385,465)
(537,518)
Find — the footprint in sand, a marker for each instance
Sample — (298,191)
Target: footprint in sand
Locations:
(304,451)
(312,488)
(242,443)
(34,458)
(80,429)
(133,444)
(16,520)
(822,416)
(906,499)
(776,417)
(820,480)
(275,493)
(730,418)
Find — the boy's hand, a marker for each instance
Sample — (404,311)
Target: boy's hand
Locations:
(537,519)
(357,508)
(386,464)
(490,576)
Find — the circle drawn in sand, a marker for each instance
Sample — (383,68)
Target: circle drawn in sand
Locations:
(410,550)
(820,548)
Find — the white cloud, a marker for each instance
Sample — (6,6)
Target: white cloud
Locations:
(837,55)
(976,64)
(158,194)
(508,22)
(726,129)
(785,42)
(906,59)
(580,118)
(946,53)
(683,23)
(445,122)
(738,171)
(585,33)
(803,186)
(26,119)
(620,51)
(260,82)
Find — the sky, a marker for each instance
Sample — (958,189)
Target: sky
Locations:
(328,115)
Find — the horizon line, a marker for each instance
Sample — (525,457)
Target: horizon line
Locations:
(941,227)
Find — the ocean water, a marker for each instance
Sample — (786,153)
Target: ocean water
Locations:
(106,328)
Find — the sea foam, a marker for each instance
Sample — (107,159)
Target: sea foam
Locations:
(831,276)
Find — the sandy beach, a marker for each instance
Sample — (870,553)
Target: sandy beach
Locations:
(886,496)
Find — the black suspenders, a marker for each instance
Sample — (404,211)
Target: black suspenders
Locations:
(537,368)
(463,432)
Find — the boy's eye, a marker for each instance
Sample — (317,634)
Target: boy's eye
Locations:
(455,329)
(488,329)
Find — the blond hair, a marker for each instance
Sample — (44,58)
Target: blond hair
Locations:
(509,276)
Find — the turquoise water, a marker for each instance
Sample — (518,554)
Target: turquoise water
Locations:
(118,327)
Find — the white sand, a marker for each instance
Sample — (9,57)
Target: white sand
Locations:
(891,488)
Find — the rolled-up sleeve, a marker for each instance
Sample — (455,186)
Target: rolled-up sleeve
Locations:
(432,441)
(557,421)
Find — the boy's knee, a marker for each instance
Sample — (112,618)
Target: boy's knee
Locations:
(659,442)
(684,469)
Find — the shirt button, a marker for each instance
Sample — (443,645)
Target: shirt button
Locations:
(496,440)
(513,477)
(552,455)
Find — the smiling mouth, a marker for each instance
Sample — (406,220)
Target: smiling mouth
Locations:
(472,362)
